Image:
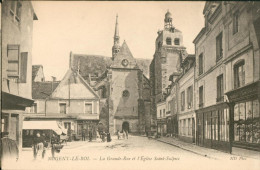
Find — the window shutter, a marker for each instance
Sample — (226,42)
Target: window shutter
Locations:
(23,68)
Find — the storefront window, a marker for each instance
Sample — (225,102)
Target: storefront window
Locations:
(246,122)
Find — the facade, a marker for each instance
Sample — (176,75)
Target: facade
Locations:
(71,102)
(37,73)
(242,69)
(230,39)
(186,112)
(16,49)
(123,88)
(161,118)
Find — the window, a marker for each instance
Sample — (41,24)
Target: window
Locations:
(4,120)
(200,63)
(16,10)
(219,50)
(160,113)
(201,96)
(34,108)
(246,122)
(163,112)
(182,100)
(189,97)
(67,125)
(239,74)
(168,41)
(235,22)
(88,108)
(13,60)
(176,41)
(63,108)
(220,90)
(126,93)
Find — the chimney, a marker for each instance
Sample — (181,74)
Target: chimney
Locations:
(52,83)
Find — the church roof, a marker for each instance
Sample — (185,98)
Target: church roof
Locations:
(97,64)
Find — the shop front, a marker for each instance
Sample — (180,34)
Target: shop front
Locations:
(213,127)
(245,118)
(161,127)
(85,127)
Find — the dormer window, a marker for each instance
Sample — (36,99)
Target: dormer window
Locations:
(168,41)
(176,41)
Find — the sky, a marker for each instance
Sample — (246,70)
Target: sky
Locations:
(88,28)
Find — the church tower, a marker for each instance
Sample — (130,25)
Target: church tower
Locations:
(116,46)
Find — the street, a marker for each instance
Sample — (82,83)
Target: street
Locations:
(132,153)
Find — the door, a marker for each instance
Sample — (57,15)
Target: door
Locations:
(193,130)
(13,132)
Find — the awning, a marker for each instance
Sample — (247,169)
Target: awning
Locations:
(42,125)
(11,101)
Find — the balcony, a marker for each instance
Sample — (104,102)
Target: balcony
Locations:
(220,99)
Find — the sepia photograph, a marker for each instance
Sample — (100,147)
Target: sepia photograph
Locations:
(126,85)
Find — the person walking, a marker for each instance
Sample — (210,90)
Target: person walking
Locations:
(45,145)
(84,135)
(90,134)
(126,134)
(54,142)
(37,145)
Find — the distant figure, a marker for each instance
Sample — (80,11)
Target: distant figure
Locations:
(45,145)
(108,137)
(54,142)
(123,134)
(37,145)
(83,134)
(118,134)
(9,149)
(90,135)
(126,133)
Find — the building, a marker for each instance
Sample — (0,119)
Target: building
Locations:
(242,57)
(161,118)
(122,85)
(16,49)
(37,73)
(169,53)
(186,111)
(71,102)
(227,57)
(172,106)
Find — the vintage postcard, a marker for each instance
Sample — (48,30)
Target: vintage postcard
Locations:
(130,85)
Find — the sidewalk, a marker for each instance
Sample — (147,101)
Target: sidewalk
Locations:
(202,151)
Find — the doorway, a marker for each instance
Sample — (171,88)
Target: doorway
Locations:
(125,127)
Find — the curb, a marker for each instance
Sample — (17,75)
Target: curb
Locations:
(197,153)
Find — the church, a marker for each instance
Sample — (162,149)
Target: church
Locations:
(122,85)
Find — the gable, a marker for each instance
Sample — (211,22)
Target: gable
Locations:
(73,86)
(124,55)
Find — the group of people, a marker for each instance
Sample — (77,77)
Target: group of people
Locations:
(40,144)
(103,136)
(84,134)
(123,134)
(9,148)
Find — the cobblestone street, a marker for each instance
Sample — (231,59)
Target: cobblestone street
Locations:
(135,153)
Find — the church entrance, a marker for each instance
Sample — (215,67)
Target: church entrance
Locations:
(125,127)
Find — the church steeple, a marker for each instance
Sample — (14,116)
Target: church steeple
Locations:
(116,46)
(168,22)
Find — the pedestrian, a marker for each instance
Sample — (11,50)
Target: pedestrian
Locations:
(123,134)
(37,145)
(108,137)
(83,134)
(9,149)
(54,142)
(90,135)
(45,145)
(118,134)
(126,133)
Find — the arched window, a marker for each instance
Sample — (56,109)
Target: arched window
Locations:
(176,41)
(168,41)
(126,93)
(239,74)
